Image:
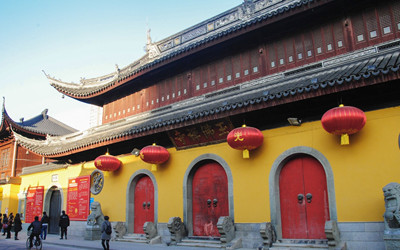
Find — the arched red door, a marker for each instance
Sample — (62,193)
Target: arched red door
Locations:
(144,203)
(210,199)
(303,199)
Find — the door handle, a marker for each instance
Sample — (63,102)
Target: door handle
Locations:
(148,205)
(144,205)
(215,201)
(300,198)
(309,197)
(208,203)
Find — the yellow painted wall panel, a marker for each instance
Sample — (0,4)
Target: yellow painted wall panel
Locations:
(360,170)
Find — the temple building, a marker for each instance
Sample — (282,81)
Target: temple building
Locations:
(15,158)
(272,124)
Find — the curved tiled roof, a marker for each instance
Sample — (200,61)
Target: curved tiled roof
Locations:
(358,66)
(41,125)
(229,22)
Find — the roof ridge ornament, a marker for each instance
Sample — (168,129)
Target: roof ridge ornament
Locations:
(44,113)
(247,9)
(151,48)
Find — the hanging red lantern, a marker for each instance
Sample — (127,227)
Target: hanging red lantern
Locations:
(344,121)
(245,138)
(154,155)
(107,162)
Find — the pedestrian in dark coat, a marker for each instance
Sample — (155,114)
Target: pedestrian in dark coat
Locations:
(105,238)
(9,225)
(45,223)
(17,226)
(64,224)
(36,229)
(1,223)
(5,224)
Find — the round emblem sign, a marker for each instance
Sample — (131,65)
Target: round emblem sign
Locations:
(96,181)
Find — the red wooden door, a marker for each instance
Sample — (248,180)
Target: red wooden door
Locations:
(144,203)
(210,199)
(303,199)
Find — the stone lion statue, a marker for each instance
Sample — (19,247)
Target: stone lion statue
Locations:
(391,193)
(96,216)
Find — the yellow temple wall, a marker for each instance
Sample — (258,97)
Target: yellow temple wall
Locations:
(10,198)
(360,170)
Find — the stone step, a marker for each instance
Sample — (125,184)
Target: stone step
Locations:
(135,238)
(294,246)
(206,243)
(300,244)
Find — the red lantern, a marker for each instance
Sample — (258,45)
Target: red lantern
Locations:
(245,138)
(154,154)
(107,162)
(343,120)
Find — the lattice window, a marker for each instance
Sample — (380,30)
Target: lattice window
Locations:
(281,53)
(228,69)
(338,32)
(213,75)
(328,37)
(180,84)
(245,63)
(220,71)
(358,28)
(204,76)
(298,41)
(162,90)
(318,42)
(396,14)
(384,20)
(371,23)
(254,58)
(196,78)
(5,158)
(308,44)
(272,56)
(236,66)
(289,50)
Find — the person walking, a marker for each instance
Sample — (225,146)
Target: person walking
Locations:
(64,224)
(36,229)
(9,225)
(106,231)
(5,224)
(17,226)
(1,222)
(45,223)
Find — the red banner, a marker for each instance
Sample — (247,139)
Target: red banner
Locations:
(34,203)
(78,198)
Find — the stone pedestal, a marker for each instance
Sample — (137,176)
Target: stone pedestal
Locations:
(392,239)
(93,233)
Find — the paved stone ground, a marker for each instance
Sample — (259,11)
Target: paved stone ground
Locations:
(53,242)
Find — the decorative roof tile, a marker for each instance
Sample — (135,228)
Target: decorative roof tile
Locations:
(226,23)
(41,124)
(247,94)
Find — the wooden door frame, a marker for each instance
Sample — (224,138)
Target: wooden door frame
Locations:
(274,183)
(47,200)
(130,198)
(187,187)
(47,197)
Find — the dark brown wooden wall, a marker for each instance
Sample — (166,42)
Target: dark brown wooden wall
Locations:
(369,27)
(25,159)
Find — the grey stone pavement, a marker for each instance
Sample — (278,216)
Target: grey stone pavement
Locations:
(53,242)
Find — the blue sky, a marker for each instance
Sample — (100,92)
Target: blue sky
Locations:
(71,39)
